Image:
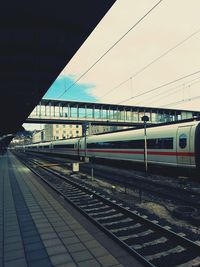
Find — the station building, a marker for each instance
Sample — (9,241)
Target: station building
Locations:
(61,131)
(95,129)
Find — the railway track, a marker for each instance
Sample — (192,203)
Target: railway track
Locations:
(177,194)
(151,243)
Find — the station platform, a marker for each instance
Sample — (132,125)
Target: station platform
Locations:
(40,229)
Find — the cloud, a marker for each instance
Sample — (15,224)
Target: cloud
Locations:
(79,92)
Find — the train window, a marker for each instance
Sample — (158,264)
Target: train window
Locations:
(167,143)
(156,143)
(137,144)
(64,146)
(160,143)
(152,143)
(182,140)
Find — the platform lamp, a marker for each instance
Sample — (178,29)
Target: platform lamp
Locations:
(145,119)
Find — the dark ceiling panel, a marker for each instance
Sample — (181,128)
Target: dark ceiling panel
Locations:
(38,38)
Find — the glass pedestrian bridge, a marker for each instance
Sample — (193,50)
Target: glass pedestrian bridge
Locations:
(74,112)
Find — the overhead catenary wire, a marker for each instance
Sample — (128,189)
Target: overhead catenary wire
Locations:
(141,19)
(166,95)
(152,62)
(172,91)
(159,87)
(182,101)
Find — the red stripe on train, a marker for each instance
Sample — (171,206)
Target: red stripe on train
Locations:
(138,152)
(166,153)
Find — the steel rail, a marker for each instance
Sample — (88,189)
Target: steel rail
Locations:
(182,241)
(157,188)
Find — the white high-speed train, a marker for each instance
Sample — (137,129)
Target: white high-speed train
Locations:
(169,145)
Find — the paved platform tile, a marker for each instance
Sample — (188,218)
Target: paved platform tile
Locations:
(14,255)
(99,251)
(91,244)
(91,263)
(34,246)
(76,247)
(56,250)
(69,264)
(65,234)
(36,255)
(46,236)
(52,242)
(70,240)
(82,255)
(41,263)
(107,260)
(16,263)
(61,259)
(13,246)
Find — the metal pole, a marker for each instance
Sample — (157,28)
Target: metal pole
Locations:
(93,112)
(145,119)
(85,126)
(77,111)
(86,111)
(40,110)
(145,147)
(50,109)
(92,173)
(59,111)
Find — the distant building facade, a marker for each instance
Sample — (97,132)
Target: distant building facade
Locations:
(61,131)
(38,136)
(96,129)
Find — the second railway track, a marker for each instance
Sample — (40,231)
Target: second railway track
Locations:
(151,243)
(166,192)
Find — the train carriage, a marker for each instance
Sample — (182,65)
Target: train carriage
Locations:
(166,145)
(171,145)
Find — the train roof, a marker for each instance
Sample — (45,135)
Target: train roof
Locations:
(153,125)
(157,130)
(71,140)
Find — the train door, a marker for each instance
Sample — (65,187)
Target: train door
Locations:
(82,147)
(78,147)
(183,145)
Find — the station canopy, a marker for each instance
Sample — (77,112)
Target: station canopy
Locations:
(38,38)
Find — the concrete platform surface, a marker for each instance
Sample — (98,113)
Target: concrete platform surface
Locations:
(39,229)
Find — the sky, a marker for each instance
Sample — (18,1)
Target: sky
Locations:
(161,48)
